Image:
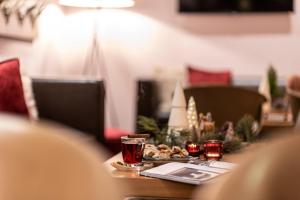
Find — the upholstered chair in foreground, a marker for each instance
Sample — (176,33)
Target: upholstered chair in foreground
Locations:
(40,162)
(272,173)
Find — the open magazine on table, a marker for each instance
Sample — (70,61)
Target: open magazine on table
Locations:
(191,173)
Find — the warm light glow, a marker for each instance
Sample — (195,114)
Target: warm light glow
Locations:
(50,20)
(192,145)
(193,149)
(116,3)
(98,3)
(80,3)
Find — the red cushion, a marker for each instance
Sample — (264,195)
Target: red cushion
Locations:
(11,90)
(115,134)
(203,77)
(113,139)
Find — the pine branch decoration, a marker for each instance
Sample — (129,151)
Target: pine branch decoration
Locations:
(244,128)
(147,125)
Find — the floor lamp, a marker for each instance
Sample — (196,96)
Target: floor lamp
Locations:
(95,52)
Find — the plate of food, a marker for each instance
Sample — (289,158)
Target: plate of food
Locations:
(163,153)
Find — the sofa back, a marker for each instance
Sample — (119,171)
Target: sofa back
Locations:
(75,103)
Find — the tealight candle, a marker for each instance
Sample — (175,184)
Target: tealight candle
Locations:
(213,149)
(193,149)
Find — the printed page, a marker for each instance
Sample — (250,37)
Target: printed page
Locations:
(189,173)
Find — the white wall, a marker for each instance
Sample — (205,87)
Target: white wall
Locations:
(138,41)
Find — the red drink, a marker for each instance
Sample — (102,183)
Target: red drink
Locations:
(132,150)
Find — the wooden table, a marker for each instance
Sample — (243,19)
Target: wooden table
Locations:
(141,186)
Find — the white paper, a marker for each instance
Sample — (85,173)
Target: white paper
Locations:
(189,173)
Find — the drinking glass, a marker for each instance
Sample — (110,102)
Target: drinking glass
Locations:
(132,150)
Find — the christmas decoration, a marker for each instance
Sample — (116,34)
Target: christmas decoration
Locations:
(149,126)
(206,125)
(264,89)
(178,137)
(272,78)
(159,135)
(227,130)
(192,115)
(233,138)
(247,129)
(178,116)
(232,145)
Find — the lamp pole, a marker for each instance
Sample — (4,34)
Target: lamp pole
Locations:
(95,52)
(95,64)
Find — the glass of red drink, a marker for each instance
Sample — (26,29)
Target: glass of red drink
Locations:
(132,150)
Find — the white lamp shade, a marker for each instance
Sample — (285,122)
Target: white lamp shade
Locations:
(178,118)
(98,3)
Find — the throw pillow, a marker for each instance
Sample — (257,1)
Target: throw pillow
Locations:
(11,91)
(204,77)
(29,98)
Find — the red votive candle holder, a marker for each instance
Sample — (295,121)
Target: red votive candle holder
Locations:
(193,149)
(213,149)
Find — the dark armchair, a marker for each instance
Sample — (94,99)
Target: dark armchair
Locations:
(226,103)
(75,103)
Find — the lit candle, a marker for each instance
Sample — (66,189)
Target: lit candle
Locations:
(193,149)
(213,149)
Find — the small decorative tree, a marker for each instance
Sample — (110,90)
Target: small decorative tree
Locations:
(272,78)
(264,89)
(178,115)
(192,115)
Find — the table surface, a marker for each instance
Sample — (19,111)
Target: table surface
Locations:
(141,186)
